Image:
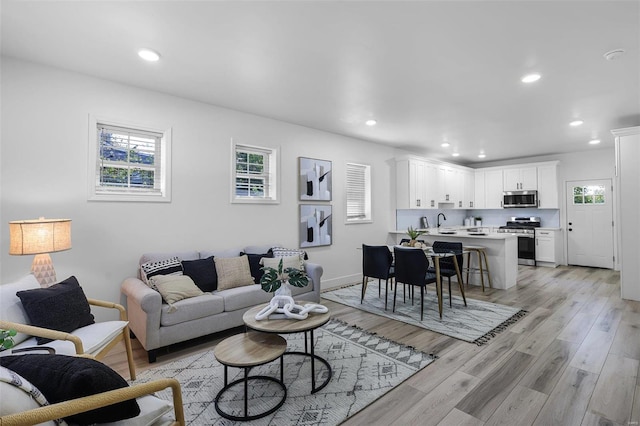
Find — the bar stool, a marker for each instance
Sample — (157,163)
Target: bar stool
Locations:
(482,255)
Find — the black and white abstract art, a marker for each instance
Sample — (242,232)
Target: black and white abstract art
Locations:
(315,225)
(314,179)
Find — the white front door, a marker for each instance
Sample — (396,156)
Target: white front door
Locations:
(590,223)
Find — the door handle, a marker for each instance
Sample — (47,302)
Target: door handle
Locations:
(570,229)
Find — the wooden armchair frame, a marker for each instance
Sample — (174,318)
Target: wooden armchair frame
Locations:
(77,342)
(87,403)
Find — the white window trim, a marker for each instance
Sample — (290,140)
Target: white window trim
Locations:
(164,196)
(274,181)
(368,202)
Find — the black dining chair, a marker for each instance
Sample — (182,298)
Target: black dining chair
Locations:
(447,267)
(412,268)
(377,263)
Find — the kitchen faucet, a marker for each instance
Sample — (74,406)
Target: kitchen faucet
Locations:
(443,216)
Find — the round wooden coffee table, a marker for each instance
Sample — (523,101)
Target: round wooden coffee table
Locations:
(287,326)
(246,351)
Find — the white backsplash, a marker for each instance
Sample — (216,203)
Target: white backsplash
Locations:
(549,218)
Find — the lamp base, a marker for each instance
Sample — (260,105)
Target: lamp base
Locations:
(42,269)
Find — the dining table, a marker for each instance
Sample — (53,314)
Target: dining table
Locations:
(435,257)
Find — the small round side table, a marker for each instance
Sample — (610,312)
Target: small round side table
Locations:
(246,351)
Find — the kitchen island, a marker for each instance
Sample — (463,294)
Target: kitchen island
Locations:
(501,249)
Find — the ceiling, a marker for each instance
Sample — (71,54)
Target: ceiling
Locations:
(427,71)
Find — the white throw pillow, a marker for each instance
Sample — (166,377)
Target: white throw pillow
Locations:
(287,262)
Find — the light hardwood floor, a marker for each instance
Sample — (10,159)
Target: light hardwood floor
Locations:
(572,360)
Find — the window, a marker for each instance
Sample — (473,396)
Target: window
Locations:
(128,163)
(255,174)
(593,194)
(358,193)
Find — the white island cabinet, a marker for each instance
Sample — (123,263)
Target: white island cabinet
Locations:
(501,249)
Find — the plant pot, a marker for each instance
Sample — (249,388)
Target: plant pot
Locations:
(284,290)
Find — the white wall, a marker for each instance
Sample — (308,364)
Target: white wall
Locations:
(44,173)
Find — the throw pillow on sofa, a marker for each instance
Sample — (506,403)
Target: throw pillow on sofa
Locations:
(202,272)
(255,264)
(62,307)
(233,272)
(170,266)
(174,288)
(285,252)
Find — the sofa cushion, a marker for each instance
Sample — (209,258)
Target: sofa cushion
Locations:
(233,272)
(11,308)
(255,264)
(202,272)
(61,378)
(193,308)
(170,266)
(244,297)
(94,337)
(62,306)
(174,288)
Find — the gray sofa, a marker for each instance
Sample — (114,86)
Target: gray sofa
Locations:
(157,325)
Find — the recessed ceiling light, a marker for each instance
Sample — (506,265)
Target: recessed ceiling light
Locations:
(481,155)
(576,123)
(370,122)
(445,144)
(594,141)
(530,78)
(455,154)
(149,55)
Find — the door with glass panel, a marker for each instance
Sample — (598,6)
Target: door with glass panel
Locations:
(590,223)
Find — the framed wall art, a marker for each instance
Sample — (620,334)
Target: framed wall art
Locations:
(314,179)
(315,225)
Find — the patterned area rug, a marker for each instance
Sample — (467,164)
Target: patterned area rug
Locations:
(365,367)
(477,322)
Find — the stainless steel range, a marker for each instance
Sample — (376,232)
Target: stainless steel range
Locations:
(525,227)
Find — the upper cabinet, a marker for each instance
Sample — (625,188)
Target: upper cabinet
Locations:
(491,191)
(520,179)
(491,182)
(424,184)
(429,184)
(548,186)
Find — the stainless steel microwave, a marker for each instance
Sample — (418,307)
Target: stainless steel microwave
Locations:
(514,199)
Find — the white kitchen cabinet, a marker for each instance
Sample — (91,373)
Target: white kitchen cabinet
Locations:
(548,186)
(468,197)
(520,179)
(627,146)
(410,184)
(546,248)
(478,191)
(488,189)
(493,189)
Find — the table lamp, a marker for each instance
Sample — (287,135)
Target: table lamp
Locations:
(40,237)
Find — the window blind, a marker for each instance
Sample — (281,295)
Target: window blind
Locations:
(356,191)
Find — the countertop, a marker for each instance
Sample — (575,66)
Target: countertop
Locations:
(462,233)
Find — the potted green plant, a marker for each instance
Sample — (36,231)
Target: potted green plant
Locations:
(275,280)
(413,235)
(6,339)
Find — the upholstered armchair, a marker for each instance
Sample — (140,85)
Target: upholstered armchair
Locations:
(59,317)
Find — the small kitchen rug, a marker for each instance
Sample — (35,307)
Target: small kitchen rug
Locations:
(365,367)
(476,323)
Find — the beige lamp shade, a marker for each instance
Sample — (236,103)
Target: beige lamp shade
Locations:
(40,237)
